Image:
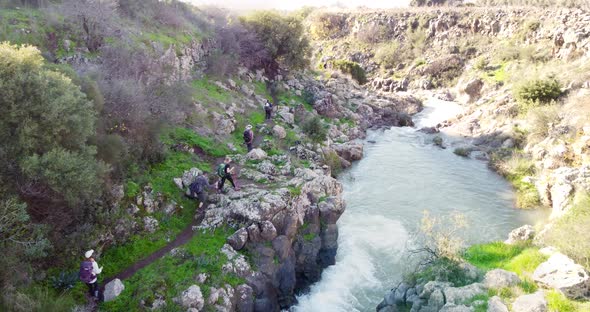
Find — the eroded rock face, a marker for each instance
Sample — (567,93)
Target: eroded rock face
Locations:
(495,304)
(563,274)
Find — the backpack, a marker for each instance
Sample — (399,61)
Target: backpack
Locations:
(221,170)
(86,275)
(247,136)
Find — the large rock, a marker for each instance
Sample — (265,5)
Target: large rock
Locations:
(495,304)
(192,298)
(521,234)
(238,239)
(458,295)
(449,307)
(436,300)
(150,224)
(499,278)
(564,275)
(244,298)
(350,151)
(257,154)
(267,231)
(113,289)
(530,303)
(279,132)
(188,177)
(473,89)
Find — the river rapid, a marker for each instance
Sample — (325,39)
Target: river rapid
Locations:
(402,175)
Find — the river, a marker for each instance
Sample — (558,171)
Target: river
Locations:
(402,175)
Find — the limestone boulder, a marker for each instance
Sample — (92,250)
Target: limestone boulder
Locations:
(563,274)
(458,295)
(257,154)
(150,224)
(450,307)
(113,289)
(530,303)
(521,234)
(279,132)
(192,298)
(499,278)
(188,177)
(244,298)
(238,239)
(350,151)
(495,304)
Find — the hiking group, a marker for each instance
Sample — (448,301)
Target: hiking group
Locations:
(198,189)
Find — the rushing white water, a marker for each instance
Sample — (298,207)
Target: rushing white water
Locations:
(401,175)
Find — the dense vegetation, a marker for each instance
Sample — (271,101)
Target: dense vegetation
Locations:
(89,104)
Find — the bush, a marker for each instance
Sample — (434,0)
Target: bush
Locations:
(539,120)
(481,63)
(439,237)
(315,130)
(372,33)
(332,159)
(353,69)
(65,280)
(282,37)
(573,224)
(515,166)
(462,151)
(537,92)
(45,126)
(326,25)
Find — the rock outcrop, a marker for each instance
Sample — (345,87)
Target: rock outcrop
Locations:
(563,274)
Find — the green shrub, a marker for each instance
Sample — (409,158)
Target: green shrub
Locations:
(462,151)
(538,92)
(573,224)
(326,25)
(515,166)
(283,38)
(538,121)
(481,63)
(332,159)
(353,69)
(65,280)
(46,141)
(315,129)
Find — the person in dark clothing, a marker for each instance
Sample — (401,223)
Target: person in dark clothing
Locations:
(248,137)
(199,188)
(268,109)
(225,171)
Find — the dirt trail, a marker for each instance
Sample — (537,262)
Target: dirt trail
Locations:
(186,234)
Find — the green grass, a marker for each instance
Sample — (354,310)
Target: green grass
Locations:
(205,90)
(256,118)
(13,21)
(260,89)
(169,276)
(557,302)
(309,237)
(516,258)
(482,307)
(191,138)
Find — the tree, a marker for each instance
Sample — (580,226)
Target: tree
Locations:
(93,16)
(45,125)
(282,37)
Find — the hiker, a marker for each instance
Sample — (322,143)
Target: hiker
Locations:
(199,188)
(88,273)
(248,137)
(268,109)
(225,171)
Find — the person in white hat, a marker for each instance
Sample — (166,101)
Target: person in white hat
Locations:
(248,137)
(89,271)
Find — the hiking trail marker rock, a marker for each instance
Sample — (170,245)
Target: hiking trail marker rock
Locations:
(113,289)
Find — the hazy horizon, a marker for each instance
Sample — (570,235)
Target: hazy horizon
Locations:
(293,5)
